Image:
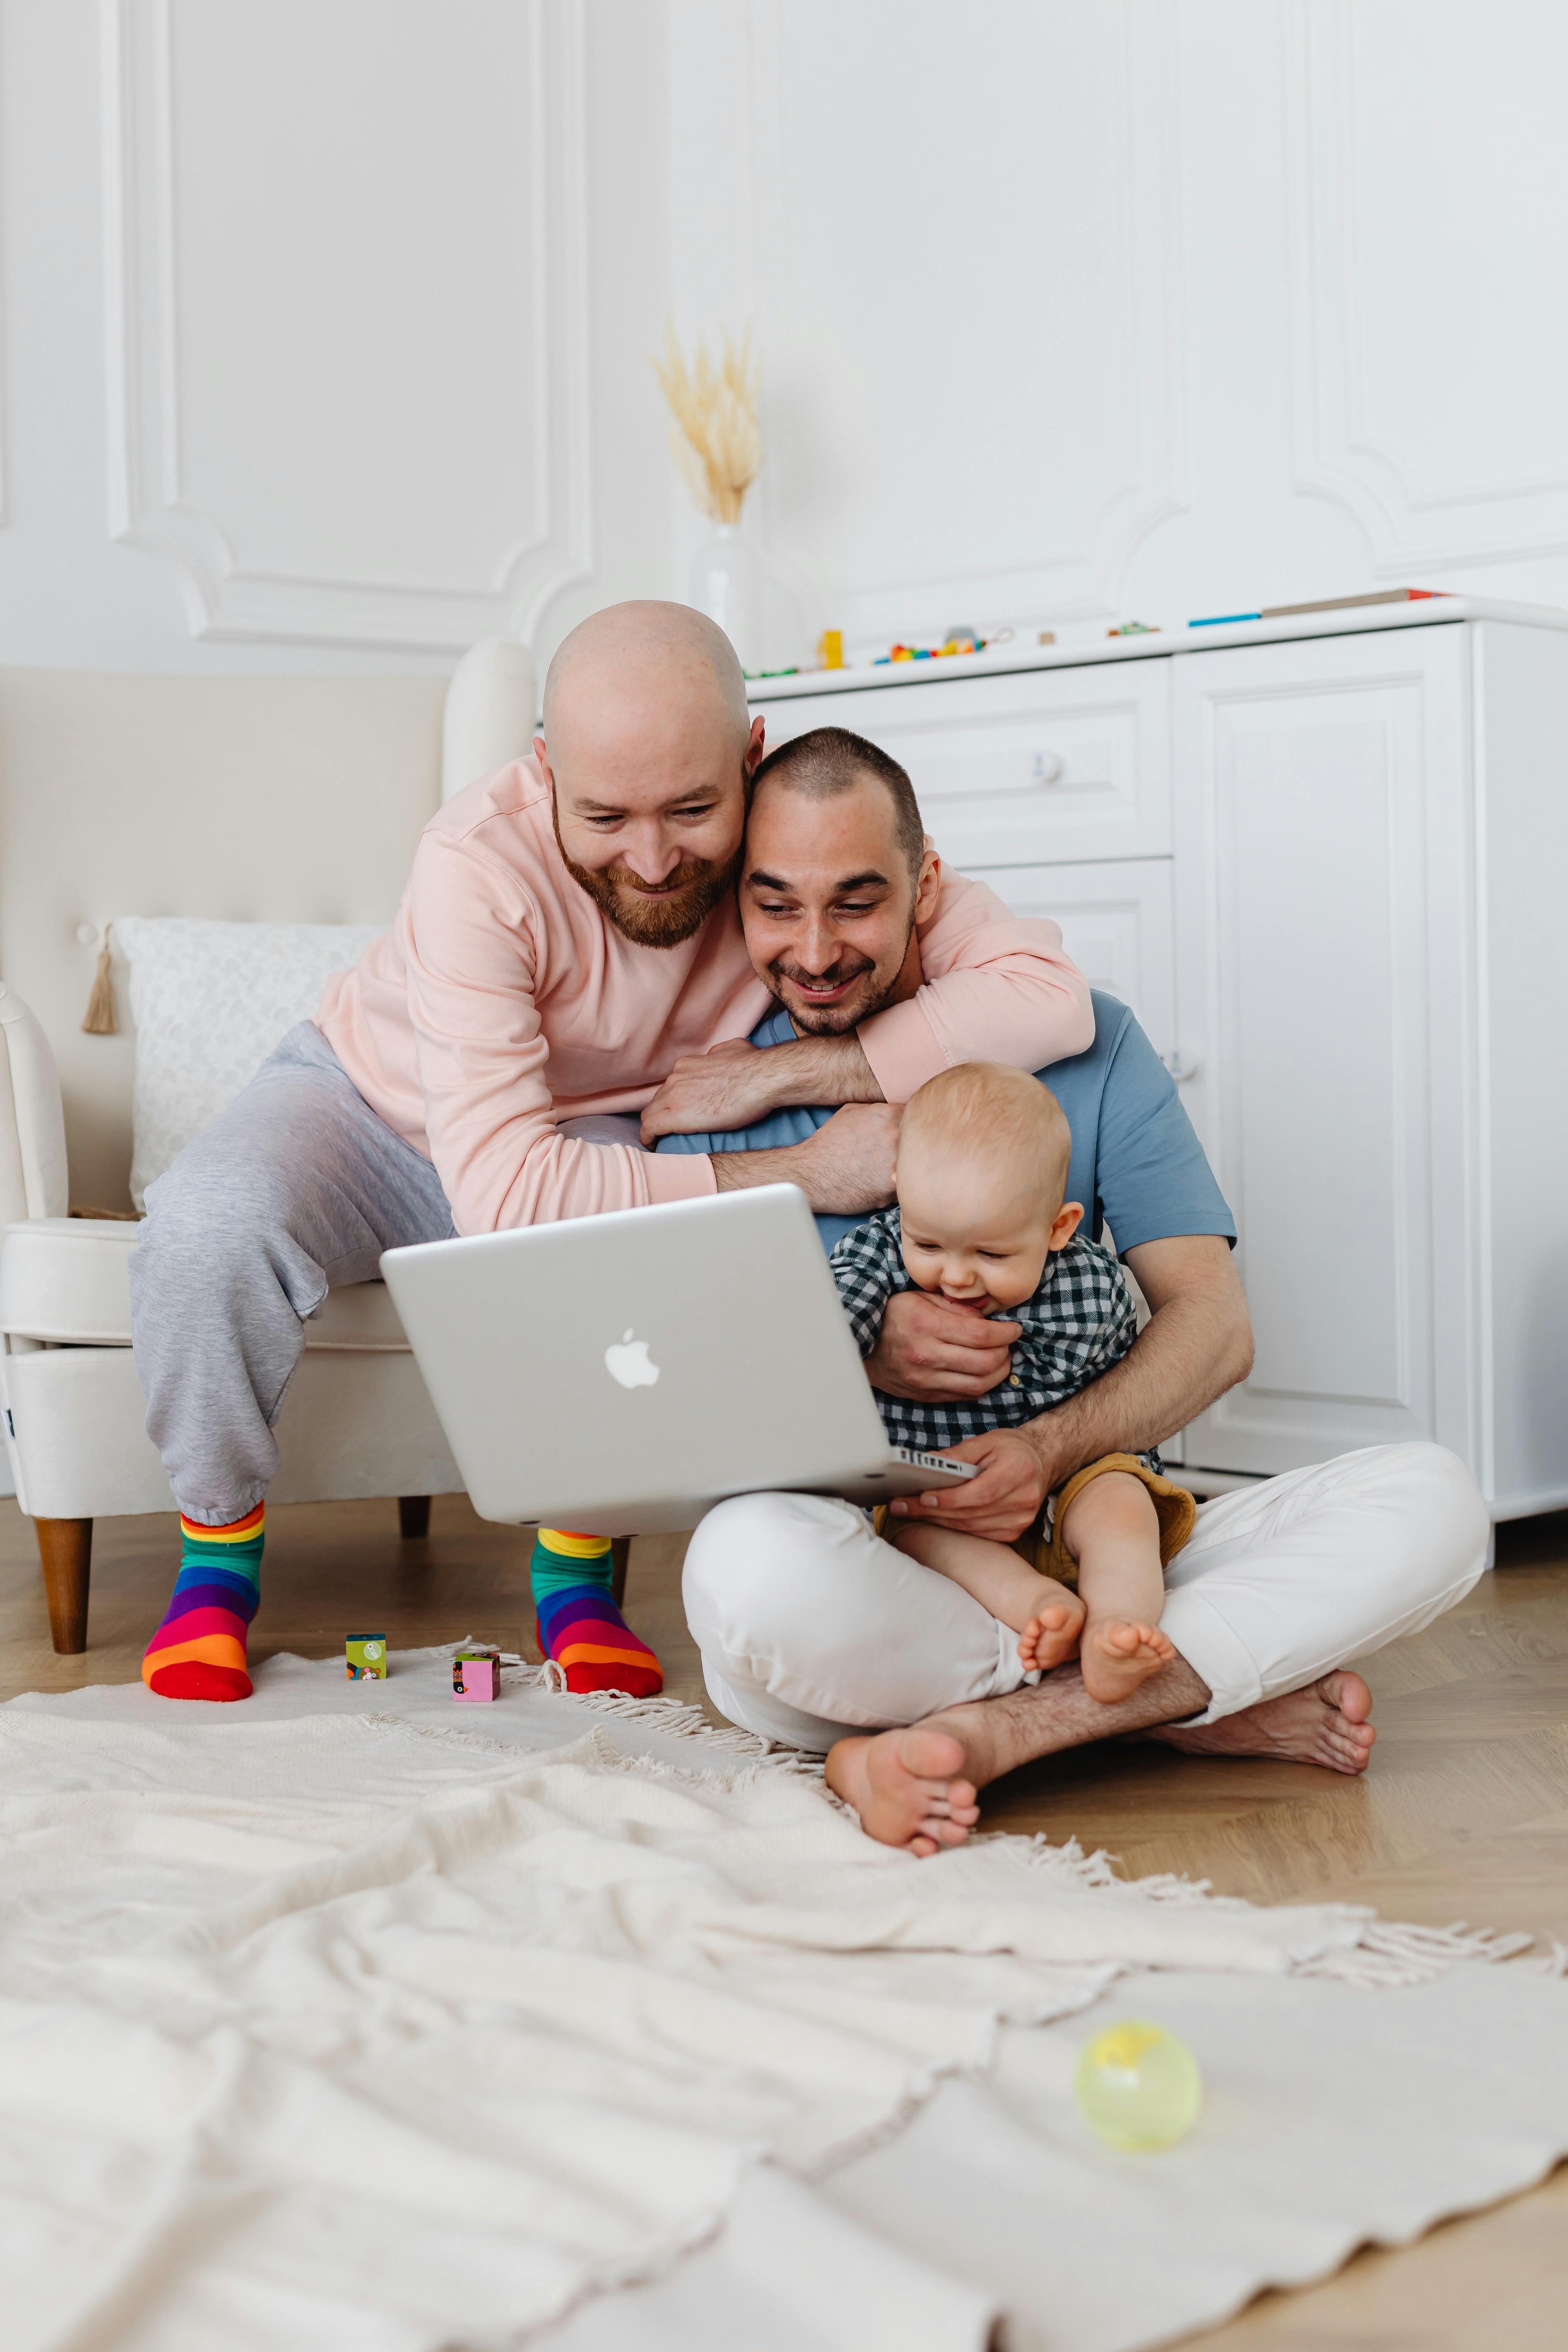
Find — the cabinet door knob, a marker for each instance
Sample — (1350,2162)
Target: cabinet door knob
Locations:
(1048,766)
(1179,1065)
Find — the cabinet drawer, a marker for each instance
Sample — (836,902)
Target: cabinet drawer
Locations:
(1064,764)
(1116,925)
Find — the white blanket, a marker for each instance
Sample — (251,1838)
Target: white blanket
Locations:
(332,2029)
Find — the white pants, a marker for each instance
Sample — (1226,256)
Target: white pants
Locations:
(811,1626)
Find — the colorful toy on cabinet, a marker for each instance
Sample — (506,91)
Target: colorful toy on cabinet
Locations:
(959,638)
(966,644)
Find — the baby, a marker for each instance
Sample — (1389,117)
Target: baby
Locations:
(982,1218)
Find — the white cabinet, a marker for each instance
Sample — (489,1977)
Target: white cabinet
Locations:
(1116,926)
(1059,764)
(1325,865)
(1320,797)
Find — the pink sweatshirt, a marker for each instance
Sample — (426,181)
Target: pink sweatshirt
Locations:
(502,1000)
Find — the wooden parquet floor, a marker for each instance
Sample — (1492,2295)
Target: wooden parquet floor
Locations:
(1464,1814)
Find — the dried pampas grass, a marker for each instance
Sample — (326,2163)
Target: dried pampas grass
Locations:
(713,429)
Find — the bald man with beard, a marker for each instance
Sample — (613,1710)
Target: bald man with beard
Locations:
(568,936)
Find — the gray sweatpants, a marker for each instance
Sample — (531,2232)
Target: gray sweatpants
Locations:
(295,1190)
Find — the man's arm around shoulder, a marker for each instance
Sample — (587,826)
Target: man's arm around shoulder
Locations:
(733,1085)
(986,985)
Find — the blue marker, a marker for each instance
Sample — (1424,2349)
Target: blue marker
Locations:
(1222,620)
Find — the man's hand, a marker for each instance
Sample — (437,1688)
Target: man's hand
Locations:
(930,1349)
(711,1093)
(728,1087)
(845,1169)
(1000,1502)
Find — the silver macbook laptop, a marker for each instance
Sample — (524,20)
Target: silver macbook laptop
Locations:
(620,1374)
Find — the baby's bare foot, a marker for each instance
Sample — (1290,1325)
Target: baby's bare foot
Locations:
(1052,1636)
(1117,1654)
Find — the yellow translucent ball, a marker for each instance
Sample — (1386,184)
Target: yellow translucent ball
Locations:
(1138,2086)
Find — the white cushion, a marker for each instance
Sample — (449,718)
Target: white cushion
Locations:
(210,1001)
(66,1279)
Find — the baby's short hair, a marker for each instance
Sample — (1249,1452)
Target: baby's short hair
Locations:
(986,1107)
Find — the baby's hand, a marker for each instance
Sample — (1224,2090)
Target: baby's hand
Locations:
(1052,1637)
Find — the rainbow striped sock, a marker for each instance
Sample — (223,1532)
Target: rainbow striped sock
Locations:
(199,1650)
(579,1625)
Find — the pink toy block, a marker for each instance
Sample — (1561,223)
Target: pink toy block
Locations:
(476,1676)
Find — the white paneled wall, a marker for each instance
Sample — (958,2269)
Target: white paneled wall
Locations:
(355,412)
(324,322)
(324,325)
(965,246)
(1159,307)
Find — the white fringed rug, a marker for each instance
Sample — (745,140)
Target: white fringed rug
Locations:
(353,2017)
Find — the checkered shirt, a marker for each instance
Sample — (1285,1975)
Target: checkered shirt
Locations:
(1078,1323)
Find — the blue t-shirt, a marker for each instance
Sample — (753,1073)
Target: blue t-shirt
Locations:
(1136,1164)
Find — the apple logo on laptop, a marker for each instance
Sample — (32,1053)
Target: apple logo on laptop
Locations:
(629,1363)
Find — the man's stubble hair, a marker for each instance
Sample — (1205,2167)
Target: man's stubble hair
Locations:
(827,761)
(660,922)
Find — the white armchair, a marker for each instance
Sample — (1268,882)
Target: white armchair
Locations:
(327,787)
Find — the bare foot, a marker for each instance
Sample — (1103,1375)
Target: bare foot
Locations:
(1324,1724)
(1052,1636)
(904,1786)
(1116,1655)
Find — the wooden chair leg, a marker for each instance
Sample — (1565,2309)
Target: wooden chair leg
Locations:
(620,1560)
(65,1549)
(413,1515)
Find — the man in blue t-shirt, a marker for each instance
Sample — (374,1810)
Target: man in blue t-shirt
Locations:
(813,1631)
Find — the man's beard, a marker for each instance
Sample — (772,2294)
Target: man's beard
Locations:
(833,1020)
(653,922)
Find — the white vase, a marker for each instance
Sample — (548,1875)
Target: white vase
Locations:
(727,584)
